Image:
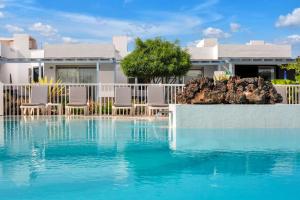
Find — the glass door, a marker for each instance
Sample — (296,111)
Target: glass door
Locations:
(87,75)
(76,74)
(67,75)
(266,72)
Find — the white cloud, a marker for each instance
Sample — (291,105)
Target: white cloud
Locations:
(206,4)
(43,29)
(292,39)
(211,32)
(172,24)
(13,29)
(291,19)
(1,15)
(193,43)
(69,40)
(2,5)
(98,28)
(235,27)
(127,1)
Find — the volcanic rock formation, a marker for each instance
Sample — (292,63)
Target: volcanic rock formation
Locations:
(232,91)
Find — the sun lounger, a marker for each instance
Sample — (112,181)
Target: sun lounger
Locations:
(156,100)
(122,100)
(38,101)
(77,100)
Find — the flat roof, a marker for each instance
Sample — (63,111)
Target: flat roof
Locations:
(79,51)
(57,60)
(260,61)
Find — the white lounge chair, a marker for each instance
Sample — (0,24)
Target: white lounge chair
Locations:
(156,100)
(122,100)
(77,100)
(38,101)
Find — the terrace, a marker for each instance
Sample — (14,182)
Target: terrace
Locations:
(100,97)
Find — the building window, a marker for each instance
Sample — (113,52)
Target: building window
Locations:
(34,74)
(131,80)
(267,73)
(194,74)
(76,74)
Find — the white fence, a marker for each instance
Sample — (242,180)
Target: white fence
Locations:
(290,93)
(100,96)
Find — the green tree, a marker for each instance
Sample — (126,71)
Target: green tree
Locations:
(294,66)
(156,60)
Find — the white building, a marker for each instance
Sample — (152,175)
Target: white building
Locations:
(249,60)
(22,62)
(19,47)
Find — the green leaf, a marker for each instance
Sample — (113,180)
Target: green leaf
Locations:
(156,58)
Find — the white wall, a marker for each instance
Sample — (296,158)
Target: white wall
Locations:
(203,53)
(107,73)
(50,71)
(19,49)
(211,50)
(120,76)
(255,51)
(21,44)
(233,116)
(121,44)
(19,72)
(80,51)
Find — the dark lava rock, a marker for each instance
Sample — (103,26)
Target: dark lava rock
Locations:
(234,91)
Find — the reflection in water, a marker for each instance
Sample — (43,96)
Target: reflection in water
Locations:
(118,151)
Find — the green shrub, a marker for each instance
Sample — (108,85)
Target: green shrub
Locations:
(284,82)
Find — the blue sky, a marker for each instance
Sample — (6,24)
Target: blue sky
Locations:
(232,21)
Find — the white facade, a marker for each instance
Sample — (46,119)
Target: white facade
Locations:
(210,49)
(100,62)
(19,46)
(255,58)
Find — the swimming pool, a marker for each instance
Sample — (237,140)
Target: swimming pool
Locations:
(59,158)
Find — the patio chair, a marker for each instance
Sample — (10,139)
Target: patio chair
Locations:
(77,100)
(38,101)
(122,100)
(156,100)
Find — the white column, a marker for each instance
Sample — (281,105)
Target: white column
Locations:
(1,100)
(40,70)
(115,72)
(231,69)
(98,72)
(98,79)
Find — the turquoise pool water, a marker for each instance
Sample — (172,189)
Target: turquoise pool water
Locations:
(58,158)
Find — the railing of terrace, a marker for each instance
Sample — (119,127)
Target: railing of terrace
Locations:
(290,93)
(100,96)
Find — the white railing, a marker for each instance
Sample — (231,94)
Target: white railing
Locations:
(290,93)
(100,96)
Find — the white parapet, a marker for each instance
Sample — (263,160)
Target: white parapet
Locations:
(235,116)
